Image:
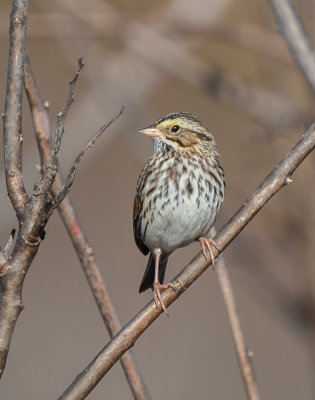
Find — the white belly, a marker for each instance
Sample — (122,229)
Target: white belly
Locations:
(183,215)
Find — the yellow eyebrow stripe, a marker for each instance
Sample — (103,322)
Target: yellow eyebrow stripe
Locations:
(169,122)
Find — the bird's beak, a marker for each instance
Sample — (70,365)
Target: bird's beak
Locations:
(151,131)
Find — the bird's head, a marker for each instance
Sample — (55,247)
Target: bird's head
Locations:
(180,132)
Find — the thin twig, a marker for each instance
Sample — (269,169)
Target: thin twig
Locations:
(80,242)
(61,117)
(296,38)
(245,364)
(12,117)
(69,179)
(277,179)
(48,175)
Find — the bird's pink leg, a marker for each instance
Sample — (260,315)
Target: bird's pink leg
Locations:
(206,245)
(157,286)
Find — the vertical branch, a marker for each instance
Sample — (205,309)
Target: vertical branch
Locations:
(78,237)
(296,38)
(237,333)
(12,117)
(11,283)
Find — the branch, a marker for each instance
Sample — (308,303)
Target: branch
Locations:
(48,176)
(80,242)
(237,333)
(296,38)
(107,357)
(61,117)
(12,117)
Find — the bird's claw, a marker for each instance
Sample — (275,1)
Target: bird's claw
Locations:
(157,294)
(206,245)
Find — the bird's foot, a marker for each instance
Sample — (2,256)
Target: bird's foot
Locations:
(157,287)
(206,245)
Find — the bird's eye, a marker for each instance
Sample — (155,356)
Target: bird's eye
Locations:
(175,128)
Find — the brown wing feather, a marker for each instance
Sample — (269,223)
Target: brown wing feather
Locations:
(137,206)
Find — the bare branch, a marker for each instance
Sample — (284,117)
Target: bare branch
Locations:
(69,180)
(80,242)
(12,117)
(277,179)
(51,167)
(296,38)
(237,333)
(61,117)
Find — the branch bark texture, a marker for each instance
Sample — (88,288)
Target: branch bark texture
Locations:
(126,338)
(296,38)
(12,117)
(10,304)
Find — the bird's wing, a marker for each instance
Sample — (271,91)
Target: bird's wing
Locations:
(137,206)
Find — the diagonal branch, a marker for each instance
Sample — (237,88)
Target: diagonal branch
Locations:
(296,38)
(126,338)
(12,117)
(80,242)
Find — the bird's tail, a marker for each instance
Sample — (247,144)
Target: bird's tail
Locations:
(148,276)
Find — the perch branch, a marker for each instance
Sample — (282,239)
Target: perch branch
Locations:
(296,38)
(78,237)
(12,117)
(127,336)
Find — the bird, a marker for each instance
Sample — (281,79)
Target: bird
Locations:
(179,193)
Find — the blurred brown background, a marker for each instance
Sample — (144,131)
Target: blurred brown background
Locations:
(224,62)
